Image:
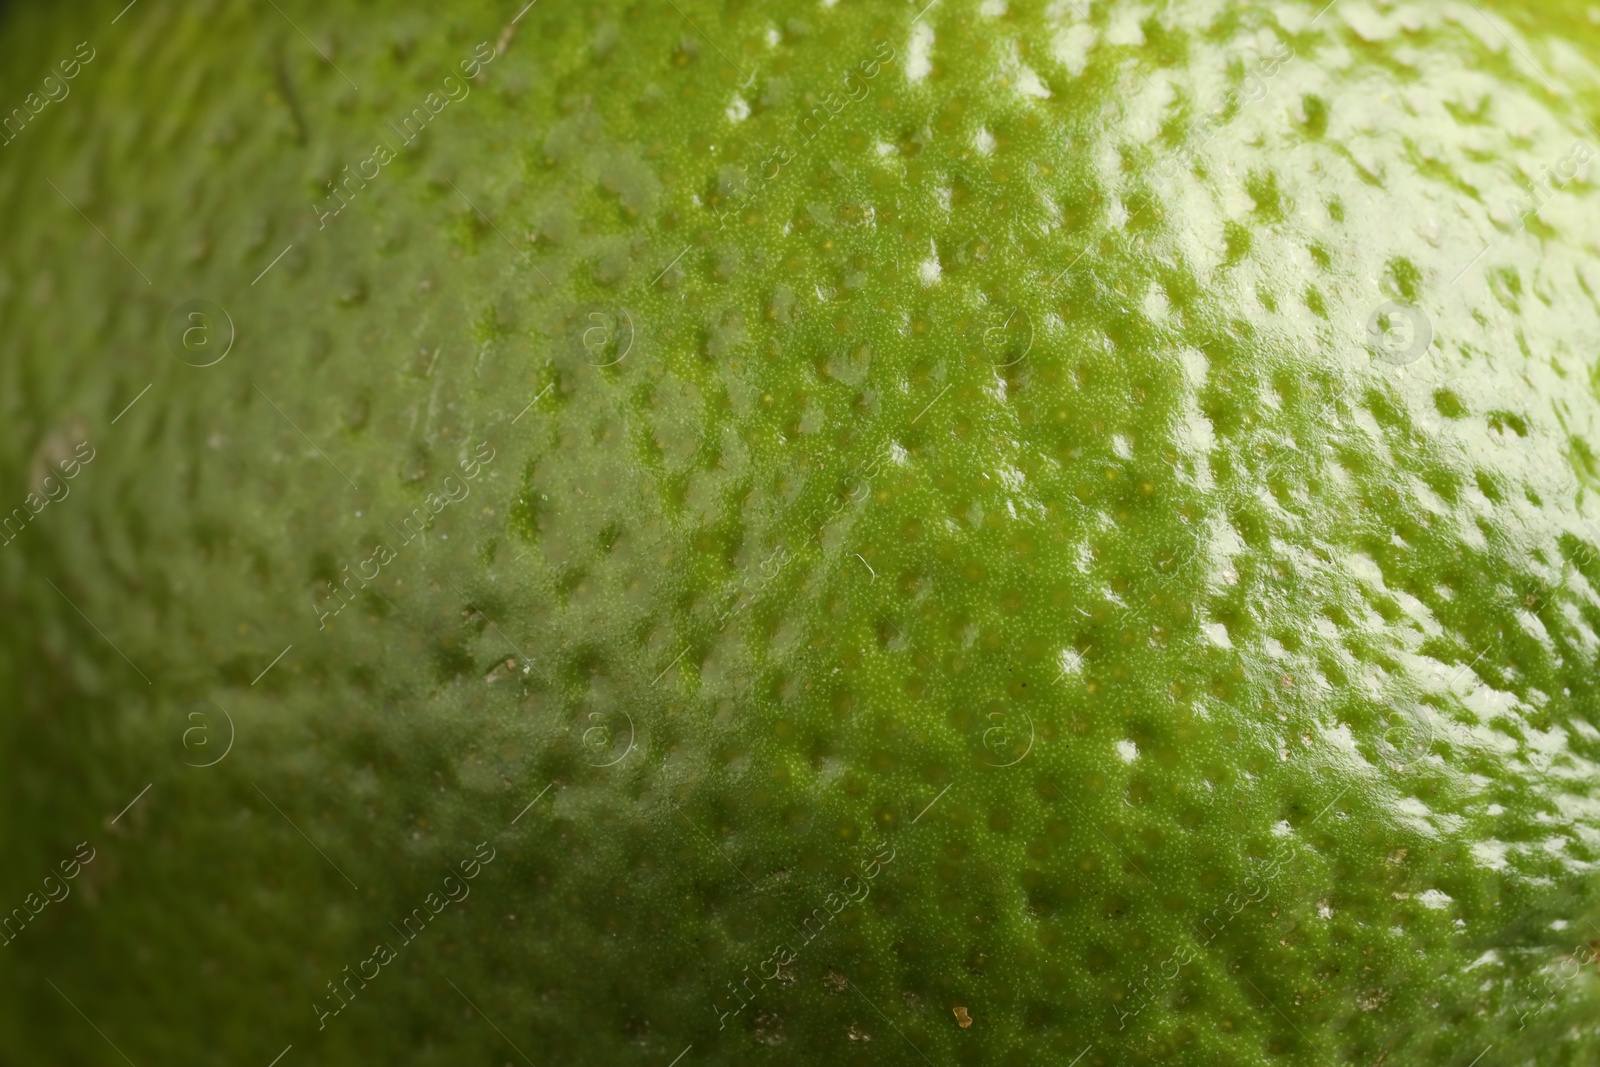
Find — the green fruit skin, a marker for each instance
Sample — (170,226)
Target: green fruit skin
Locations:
(947,550)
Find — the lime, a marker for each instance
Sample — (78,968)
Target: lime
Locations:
(992,532)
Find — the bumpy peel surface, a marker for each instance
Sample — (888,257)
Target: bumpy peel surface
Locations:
(939,549)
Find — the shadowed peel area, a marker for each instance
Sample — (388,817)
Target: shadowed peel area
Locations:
(784,533)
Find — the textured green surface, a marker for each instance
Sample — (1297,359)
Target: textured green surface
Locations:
(1251,680)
